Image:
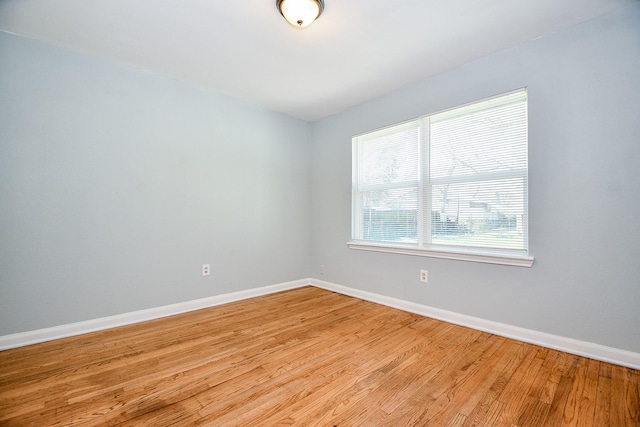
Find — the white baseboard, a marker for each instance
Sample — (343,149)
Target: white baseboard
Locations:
(569,345)
(47,334)
(581,348)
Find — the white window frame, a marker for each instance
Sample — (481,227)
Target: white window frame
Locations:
(424,247)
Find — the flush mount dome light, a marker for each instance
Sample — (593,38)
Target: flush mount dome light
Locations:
(300,13)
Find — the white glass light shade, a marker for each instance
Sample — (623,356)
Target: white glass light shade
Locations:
(300,13)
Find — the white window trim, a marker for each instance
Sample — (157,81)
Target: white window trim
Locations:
(425,248)
(467,254)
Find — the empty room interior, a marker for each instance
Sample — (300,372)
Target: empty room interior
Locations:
(377,213)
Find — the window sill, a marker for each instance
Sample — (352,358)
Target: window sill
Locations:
(486,257)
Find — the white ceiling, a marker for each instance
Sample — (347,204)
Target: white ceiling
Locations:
(357,50)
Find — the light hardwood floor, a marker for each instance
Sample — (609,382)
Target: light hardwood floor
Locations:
(308,357)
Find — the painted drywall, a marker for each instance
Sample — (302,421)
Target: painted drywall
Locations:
(584,188)
(117,184)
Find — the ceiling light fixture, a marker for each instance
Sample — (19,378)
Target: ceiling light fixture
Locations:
(300,13)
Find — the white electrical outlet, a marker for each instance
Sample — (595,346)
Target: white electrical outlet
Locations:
(424,276)
(206,269)
(322,269)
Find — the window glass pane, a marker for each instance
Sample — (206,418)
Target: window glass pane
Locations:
(480,214)
(389,156)
(482,142)
(390,215)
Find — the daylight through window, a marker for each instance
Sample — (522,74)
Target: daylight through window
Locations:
(452,181)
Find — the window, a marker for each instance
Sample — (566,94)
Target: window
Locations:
(452,184)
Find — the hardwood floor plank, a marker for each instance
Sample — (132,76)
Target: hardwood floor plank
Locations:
(603,403)
(457,421)
(587,402)
(618,398)
(307,357)
(535,408)
(517,389)
(564,372)
(632,394)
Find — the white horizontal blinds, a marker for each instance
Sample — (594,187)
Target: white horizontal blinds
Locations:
(478,174)
(387,179)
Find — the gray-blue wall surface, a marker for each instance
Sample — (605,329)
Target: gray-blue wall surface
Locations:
(117,184)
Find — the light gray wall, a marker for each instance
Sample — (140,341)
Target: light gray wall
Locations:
(584,191)
(116,185)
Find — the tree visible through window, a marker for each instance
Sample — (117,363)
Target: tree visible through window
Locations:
(456,179)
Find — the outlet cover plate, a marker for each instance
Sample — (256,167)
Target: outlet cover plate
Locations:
(424,276)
